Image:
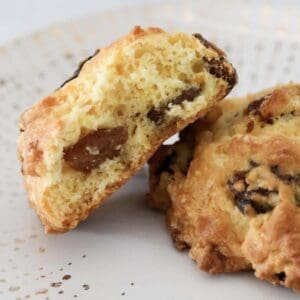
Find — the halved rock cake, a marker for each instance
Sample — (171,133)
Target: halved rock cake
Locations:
(86,139)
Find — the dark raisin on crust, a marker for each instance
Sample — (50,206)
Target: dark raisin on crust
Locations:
(77,71)
(287,178)
(253,163)
(208,44)
(261,208)
(217,68)
(244,199)
(95,148)
(239,175)
(156,114)
(254,109)
(241,197)
(254,106)
(241,202)
(269,120)
(262,191)
(281,276)
(244,196)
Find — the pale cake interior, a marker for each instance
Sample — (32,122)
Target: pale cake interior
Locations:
(147,73)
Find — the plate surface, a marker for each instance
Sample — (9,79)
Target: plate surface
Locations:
(123,251)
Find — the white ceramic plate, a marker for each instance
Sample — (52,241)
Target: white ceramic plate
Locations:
(123,250)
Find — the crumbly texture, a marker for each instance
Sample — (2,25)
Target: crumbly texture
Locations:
(231,187)
(81,143)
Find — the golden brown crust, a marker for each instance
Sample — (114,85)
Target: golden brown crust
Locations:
(42,124)
(237,206)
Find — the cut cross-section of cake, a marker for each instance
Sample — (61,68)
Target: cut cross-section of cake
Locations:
(86,139)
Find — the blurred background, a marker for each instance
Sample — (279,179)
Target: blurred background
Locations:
(18,17)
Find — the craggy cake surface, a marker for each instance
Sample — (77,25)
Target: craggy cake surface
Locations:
(82,142)
(231,187)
